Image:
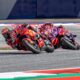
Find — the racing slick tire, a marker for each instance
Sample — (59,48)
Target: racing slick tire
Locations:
(67,44)
(49,48)
(31,47)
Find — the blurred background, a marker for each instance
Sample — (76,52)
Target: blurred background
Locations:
(38,9)
(32,9)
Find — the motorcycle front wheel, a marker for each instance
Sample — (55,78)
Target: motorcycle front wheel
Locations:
(31,47)
(67,44)
(49,48)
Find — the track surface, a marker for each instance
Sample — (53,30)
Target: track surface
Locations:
(21,61)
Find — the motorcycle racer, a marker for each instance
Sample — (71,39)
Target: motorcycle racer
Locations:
(15,33)
(46,29)
(51,32)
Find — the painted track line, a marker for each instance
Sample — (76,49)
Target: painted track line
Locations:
(53,74)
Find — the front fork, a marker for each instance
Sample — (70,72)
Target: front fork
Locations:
(41,43)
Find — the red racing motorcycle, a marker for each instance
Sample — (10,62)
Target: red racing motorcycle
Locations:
(61,37)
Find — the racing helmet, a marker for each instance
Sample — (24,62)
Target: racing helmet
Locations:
(47,26)
(61,26)
(24,25)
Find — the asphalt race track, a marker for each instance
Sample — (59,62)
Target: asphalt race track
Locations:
(21,61)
